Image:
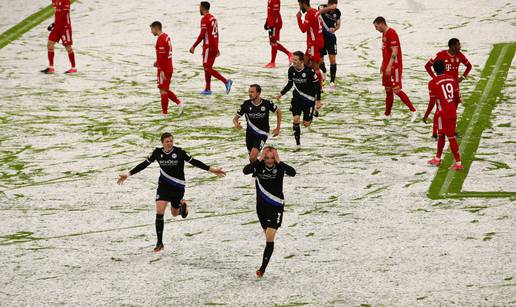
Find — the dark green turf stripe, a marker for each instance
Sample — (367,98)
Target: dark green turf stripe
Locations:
(475,118)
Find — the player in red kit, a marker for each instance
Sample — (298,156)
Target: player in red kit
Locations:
(273,24)
(452,59)
(314,36)
(165,68)
(210,49)
(392,67)
(445,94)
(60,30)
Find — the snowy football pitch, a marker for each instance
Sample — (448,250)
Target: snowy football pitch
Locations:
(367,222)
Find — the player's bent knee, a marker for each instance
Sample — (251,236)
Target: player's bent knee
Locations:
(307,124)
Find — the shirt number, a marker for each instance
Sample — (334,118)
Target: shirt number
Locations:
(447,91)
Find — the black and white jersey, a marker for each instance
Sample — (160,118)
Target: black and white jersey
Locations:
(257,116)
(329,20)
(269,181)
(171,164)
(305,82)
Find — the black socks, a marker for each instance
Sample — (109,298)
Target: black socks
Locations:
(267,253)
(160,223)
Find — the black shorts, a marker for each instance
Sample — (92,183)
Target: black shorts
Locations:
(330,45)
(254,141)
(270,216)
(172,195)
(305,107)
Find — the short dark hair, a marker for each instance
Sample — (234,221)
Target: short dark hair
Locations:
(332,1)
(257,87)
(380,19)
(156,24)
(206,5)
(307,2)
(166,135)
(438,67)
(453,42)
(300,55)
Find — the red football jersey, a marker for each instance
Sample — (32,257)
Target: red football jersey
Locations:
(62,12)
(444,90)
(273,14)
(211,32)
(313,28)
(390,39)
(164,53)
(452,63)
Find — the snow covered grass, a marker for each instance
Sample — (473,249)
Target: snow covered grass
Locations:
(358,228)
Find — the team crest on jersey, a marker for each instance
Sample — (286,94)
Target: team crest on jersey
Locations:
(274,171)
(303,75)
(161,155)
(262,108)
(174,156)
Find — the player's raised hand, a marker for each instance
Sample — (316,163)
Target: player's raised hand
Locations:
(122,178)
(192,50)
(299,14)
(217,171)
(276,132)
(276,156)
(238,125)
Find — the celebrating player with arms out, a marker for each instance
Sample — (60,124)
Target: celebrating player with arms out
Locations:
(444,92)
(210,49)
(392,67)
(171,184)
(306,95)
(330,15)
(165,68)
(314,37)
(60,30)
(273,24)
(269,172)
(452,59)
(256,111)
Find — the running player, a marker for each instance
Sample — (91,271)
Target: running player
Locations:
(306,95)
(210,49)
(256,111)
(269,172)
(171,184)
(60,30)
(165,68)
(444,92)
(392,67)
(330,15)
(273,25)
(452,59)
(314,37)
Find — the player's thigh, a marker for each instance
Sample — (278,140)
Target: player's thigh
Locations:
(55,35)
(308,114)
(296,107)
(169,194)
(449,125)
(164,80)
(270,216)
(66,36)
(395,77)
(161,206)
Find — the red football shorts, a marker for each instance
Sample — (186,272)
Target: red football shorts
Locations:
(274,33)
(63,34)
(446,126)
(313,54)
(208,56)
(394,79)
(164,79)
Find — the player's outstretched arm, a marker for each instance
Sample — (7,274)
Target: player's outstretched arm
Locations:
(217,171)
(276,131)
(236,122)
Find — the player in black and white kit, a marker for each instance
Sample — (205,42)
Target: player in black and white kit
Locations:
(306,97)
(256,111)
(330,19)
(269,172)
(171,184)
